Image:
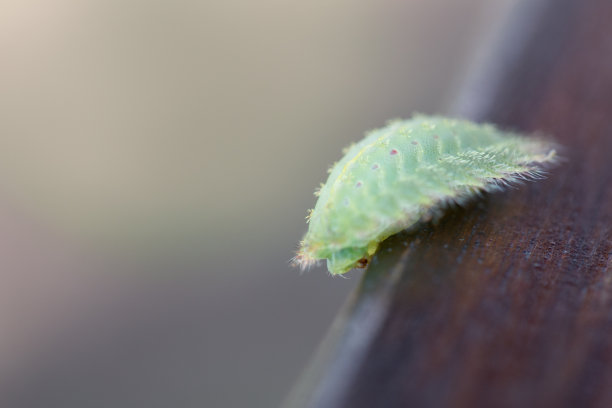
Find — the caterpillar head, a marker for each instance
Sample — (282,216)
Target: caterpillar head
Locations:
(346,259)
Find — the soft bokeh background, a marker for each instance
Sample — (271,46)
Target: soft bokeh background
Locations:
(156,162)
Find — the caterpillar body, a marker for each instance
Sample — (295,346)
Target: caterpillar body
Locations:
(407,171)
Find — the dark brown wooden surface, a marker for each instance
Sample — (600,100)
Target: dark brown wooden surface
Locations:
(507,302)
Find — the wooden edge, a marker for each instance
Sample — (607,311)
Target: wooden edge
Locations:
(327,378)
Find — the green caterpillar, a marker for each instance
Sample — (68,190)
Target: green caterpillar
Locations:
(408,171)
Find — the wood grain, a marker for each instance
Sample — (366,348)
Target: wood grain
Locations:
(507,302)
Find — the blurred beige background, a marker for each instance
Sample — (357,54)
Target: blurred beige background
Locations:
(157,159)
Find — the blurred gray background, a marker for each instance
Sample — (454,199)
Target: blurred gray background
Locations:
(157,159)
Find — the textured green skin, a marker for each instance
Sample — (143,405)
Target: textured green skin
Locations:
(373,193)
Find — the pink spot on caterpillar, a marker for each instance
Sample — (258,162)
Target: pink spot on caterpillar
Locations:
(358,184)
(374,167)
(436,137)
(414,142)
(393,152)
